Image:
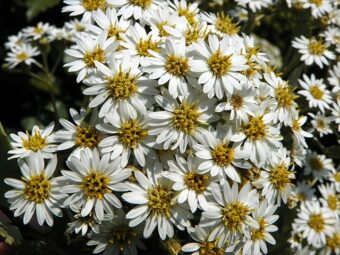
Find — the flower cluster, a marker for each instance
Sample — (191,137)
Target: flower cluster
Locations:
(188,130)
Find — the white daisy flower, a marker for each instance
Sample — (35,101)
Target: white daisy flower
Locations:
(120,87)
(330,198)
(136,8)
(318,8)
(126,136)
(24,53)
(219,156)
(231,215)
(108,21)
(36,193)
(276,179)
(284,106)
(318,166)
(303,191)
(315,92)
(191,185)
(332,243)
(255,5)
(75,26)
(219,65)
(116,237)
(81,135)
(88,50)
(137,42)
(173,66)
(182,120)
(315,223)
(298,132)
(259,136)
(188,10)
(40,140)
(15,40)
(91,183)
(313,51)
(321,123)
(265,218)
(38,31)
(241,104)
(203,245)
(156,204)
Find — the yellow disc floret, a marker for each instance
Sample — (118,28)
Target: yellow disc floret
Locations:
(279,176)
(37,188)
(234,215)
(196,182)
(144,46)
(177,66)
(316,222)
(95,185)
(316,47)
(159,200)
(92,5)
(219,64)
(186,118)
(225,24)
(223,155)
(97,54)
(122,85)
(255,129)
(87,137)
(131,133)
(35,142)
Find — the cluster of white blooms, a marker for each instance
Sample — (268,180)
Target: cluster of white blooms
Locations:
(188,129)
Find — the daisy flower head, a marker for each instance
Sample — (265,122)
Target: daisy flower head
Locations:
(318,7)
(315,223)
(120,87)
(182,120)
(298,133)
(313,51)
(193,187)
(126,136)
(315,92)
(219,65)
(137,43)
(276,179)
(332,243)
(37,193)
(259,136)
(38,31)
(24,53)
(318,166)
(231,214)
(108,21)
(255,5)
(303,191)
(171,65)
(266,218)
(330,198)
(40,140)
(15,40)
(321,123)
(82,134)
(92,181)
(184,9)
(219,156)
(156,204)
(116,237)
(87,50)
(203,244)
(284,105)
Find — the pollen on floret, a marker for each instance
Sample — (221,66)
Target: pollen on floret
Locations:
(236,101)
(316,163)
(131,133)
(285,96)
(234,215)
(177,66)
(316,92)
(190,16)
(219,64)
(159,200)
(114,32)
(37,189)
(22,56)
(316,47)
(255,129)
(210,248)
(259,234)
(87,137)
(92,5)
(223,155)
(196,182)
(143,47)
(317,222)
(186,118)
(279,176)
(225,24)
(95,185)
(97,54)
(333,241)
(333,202)
(122,85)
(141,3)
(35,142)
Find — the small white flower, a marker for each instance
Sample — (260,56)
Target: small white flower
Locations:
(255,5)
(318,8)
(37,31)
(321,123)
(40,140)
(330,198)
(318,165)
(36,193)
(23,53)
(298,132)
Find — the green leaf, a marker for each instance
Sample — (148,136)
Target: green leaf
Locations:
(34,7)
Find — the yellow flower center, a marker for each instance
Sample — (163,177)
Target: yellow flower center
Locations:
(35,142)
(144,45)
(38,30)
(186,118)
(159,200)
(333,242)
(95,185)
(316,222)
(122,86)
(97,54)
(255,129)
(192,34)
(316,92)
(284,96)
(225,24)
(316,164)
(131,134)
(296,125)
(219,64)
(316,2)
(87,137)
(114,31)
(37,189)
(162,31)
(236,101)
(316,47)
(22,56)
(92,5)
(196,182)
(320,124)
(190,16)
(259,234)
(177,66)
(279,177)
(121,237)
(337,177)
(141,3)
(210,248)
(234,215)
(332,202)
(223,155)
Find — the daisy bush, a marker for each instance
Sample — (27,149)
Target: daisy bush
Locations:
(203,128)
